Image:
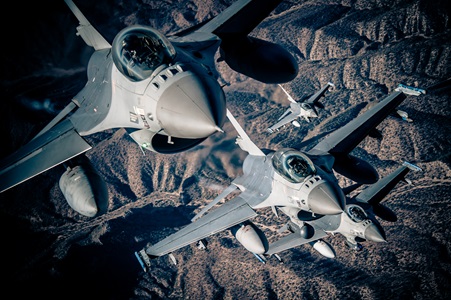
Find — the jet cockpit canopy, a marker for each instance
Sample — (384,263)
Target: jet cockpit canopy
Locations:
(139,50)
(293,165)
(356,213)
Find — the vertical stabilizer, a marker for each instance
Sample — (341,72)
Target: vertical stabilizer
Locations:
(243,139)
(88,33)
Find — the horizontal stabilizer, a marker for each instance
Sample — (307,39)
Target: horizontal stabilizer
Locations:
(293,240)
(51,148)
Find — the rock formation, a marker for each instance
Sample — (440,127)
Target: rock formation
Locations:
(365,47)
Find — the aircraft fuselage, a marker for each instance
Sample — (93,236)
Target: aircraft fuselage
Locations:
(264,186)
(182,99)
(353,223)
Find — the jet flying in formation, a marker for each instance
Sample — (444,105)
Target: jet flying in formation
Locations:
(357,223)
(301,109)
(302,184)
(163,90)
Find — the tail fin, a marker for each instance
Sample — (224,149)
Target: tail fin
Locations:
(243,139)
(288,95)
(88,33)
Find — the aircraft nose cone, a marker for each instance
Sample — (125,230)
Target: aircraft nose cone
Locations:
(324,199)
(374,234)
(193,107)
(313,114)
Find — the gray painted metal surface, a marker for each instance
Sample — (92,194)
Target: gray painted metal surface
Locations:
(52,148)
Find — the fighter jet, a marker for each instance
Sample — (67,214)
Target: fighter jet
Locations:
(357,223)
(301,109)
(163,90)
(289,179)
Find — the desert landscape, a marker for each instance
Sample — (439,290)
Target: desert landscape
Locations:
(365,47)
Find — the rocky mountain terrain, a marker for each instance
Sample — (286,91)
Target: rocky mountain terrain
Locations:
(365,47)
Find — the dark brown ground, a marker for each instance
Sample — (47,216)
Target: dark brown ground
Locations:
(366,48)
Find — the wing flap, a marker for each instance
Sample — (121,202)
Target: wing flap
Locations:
(293,240)
(227,215)
(53,147)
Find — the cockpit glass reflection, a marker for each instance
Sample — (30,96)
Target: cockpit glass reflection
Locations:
(356,213)
(293,165)
(139,51)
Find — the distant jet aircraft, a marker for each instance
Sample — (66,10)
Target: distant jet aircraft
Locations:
(357,223)
(303,183)
(162,89)
(301,109)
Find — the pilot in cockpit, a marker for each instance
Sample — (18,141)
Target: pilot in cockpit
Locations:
(298,166)
(356,213)
(142,51)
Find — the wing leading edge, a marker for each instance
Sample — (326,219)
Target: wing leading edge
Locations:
(240,18)
(49,149)
(227,215)
(375,193)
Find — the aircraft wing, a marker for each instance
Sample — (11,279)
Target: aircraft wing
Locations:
(293,240)
(231,213)
(239,18)
(375,193)
(346,138)
(286,118)
(50,148)
(315,97)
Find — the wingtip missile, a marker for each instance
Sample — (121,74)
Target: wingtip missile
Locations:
(260,258)
(412,166)
(143,259)
(410,90)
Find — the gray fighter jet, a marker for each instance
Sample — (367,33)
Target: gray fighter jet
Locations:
(163,90)
(287,179)
(302,109)
(357,223)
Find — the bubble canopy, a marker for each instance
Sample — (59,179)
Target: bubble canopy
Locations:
(138,50)
(292,165)
(356,213)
